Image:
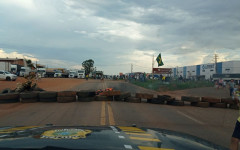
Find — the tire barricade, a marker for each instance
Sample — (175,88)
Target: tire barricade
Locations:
(9,98)
(28,97)
(88,96)
(66,96)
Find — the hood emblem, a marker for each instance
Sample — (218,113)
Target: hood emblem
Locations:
(65,134)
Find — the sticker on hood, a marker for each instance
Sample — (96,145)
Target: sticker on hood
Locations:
(65,134)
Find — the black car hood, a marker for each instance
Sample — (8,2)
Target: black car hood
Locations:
(85,137)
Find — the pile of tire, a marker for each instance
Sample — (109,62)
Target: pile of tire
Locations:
(66,96)
(86,96)
(103,98)
(9,98)
(175,103)
(133,100)
(29,97)
(123,96)
(214,102)
(157,101)
(47,96)
(231,103)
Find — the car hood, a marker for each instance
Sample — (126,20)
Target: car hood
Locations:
(101,137)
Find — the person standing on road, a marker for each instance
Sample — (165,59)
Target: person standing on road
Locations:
(236,133)
(231,87)
(87,77)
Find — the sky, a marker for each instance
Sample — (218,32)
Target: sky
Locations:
(118,33)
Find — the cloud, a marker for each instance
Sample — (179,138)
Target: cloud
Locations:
(15,54)
(118,33)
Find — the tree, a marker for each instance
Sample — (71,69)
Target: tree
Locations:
(29,63)
(88,64)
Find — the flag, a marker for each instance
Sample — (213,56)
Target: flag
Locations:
(159,60)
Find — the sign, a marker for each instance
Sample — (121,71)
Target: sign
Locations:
(210,66)
(65,134)
(162,70)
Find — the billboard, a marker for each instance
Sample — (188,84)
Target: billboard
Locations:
(162,70)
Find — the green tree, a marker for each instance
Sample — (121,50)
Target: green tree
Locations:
(29,63)
(88,64)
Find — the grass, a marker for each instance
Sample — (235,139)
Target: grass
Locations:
(173,85)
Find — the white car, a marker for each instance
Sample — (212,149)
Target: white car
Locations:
(4,75)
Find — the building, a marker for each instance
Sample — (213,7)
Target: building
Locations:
(5,63)
(208,71)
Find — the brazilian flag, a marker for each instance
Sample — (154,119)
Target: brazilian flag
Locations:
(159,60)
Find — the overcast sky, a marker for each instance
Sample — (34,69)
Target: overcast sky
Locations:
(116,33)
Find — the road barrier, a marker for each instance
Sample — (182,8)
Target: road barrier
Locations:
(9,98)
(29,97)
(88,96)
(66,96)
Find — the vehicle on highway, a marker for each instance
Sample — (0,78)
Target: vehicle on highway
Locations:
(25,71)
(81,74)
(58,74)
(15,69)
(4,75)
(41,72)
(73,74)
(107,138)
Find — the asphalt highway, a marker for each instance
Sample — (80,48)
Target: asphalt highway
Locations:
(213,124)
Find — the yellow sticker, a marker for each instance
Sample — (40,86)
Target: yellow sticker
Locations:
(65,134)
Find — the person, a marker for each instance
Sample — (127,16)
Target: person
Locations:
(236,133)
(224,84)
(220,83)
(87,77)
(163,78)
(231,87)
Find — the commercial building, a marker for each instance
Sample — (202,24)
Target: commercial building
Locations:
(225,70)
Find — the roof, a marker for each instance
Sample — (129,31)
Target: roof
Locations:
(10,59)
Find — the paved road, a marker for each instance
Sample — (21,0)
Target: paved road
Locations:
(212,124)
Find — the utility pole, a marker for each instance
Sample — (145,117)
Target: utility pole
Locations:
(131,68)
(215,61)
(152,67)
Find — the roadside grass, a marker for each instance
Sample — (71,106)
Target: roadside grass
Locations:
(158,85)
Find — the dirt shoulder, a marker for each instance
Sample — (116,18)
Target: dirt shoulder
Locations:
(48,84)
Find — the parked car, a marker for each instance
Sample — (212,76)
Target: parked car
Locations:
(4,75)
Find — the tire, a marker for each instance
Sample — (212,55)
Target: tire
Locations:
(86,99)
(177,103)
(103,98)
(29,95)
(48,99)
(157,101)
(164,97)
(190,99)
(203,104)
(66,94)
(9,98)
(123,96)
(144,95)
(228,101)
(66,99)
(211,100)
(8,78)
(219,105)
(47,95)
(85,94)
(28,100)
(194,103)
(134,100)
(5,91)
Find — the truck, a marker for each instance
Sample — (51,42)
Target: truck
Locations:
(81,74)
(15,69)
(73,74)
(49,73)
(25,71)
(41,72)
(6,66)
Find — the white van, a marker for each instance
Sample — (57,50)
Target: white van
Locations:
(72,74)
(24,71)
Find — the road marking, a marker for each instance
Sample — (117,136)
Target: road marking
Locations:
(110,115)
(121,137)
(189,117)
(143,134)
(128,146)
(152,148)
(103,114)
(144,139)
